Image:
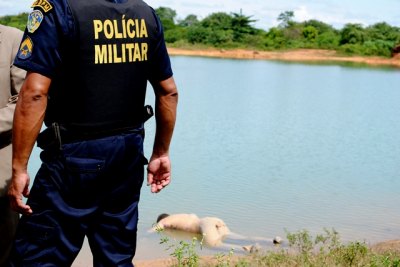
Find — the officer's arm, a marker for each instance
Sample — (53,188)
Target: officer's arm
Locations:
(159,169)
(28,119)
(166,103)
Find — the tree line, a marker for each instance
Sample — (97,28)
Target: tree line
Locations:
(236,30)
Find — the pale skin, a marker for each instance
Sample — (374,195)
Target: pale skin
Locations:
(28,119)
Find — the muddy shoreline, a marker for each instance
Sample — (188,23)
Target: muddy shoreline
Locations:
(299,55)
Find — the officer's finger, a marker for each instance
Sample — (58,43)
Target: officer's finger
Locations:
(19,206)
(154,188)
(150,177)
(165,182)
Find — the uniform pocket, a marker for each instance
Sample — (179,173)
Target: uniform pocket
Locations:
(83,179)
(84,165)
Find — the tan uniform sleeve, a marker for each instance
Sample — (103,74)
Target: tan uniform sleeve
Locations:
(17,77)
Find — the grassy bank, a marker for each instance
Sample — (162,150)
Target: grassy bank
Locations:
(302,249)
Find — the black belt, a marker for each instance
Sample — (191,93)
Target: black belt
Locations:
(58,134)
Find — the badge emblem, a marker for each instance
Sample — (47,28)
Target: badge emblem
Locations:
(26,48)
(34,20)
(43,4)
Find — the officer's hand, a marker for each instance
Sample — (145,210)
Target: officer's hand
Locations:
(19,187)
(158,173)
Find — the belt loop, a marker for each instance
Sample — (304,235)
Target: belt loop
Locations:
(57,133)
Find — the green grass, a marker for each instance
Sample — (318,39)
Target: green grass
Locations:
(303,249)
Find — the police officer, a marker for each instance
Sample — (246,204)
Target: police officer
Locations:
(88,65)
(11,79)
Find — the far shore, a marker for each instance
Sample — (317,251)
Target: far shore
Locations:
(298,55)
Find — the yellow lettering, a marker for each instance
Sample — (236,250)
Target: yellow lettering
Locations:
(44,4)
(108,29)
(145,48)
(136,55)
(113,51)
(123,26)
(123,53)
(130,47)
(109,53)
(143,29)
(129,28)
(98,27)
(115,54)
(118,35)
(137,27)
(100,54)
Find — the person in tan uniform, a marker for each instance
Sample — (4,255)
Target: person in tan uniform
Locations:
(11,79)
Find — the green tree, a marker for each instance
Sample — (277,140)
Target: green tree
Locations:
(310,33)
(17,21)
(293,33)
(378,48)
(220,37)
(217,21)
(275,38)
(189,21)
(218,29)
(175,34)
(198,34)
(383,31)
(286,19)
(321,27)
(166,13)
(167,17)
(328,40)
(241,26)
(236,30)
(352,34)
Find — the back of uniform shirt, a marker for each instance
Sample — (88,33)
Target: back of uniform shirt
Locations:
(104,54)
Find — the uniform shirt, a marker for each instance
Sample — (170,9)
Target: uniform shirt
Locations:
(11,79)
(48,44)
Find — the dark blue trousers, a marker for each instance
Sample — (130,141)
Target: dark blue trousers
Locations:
(89,188)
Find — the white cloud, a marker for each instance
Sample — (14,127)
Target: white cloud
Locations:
(9,7)
(302,14)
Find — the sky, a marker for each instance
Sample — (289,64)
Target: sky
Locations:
(334,12)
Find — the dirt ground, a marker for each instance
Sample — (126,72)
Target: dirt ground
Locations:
(300,55)
(387,246)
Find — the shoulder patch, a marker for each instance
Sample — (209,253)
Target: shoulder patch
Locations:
(34,20)
(43,4)
(26,48)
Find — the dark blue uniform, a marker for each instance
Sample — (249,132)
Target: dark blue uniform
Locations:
(99,55)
